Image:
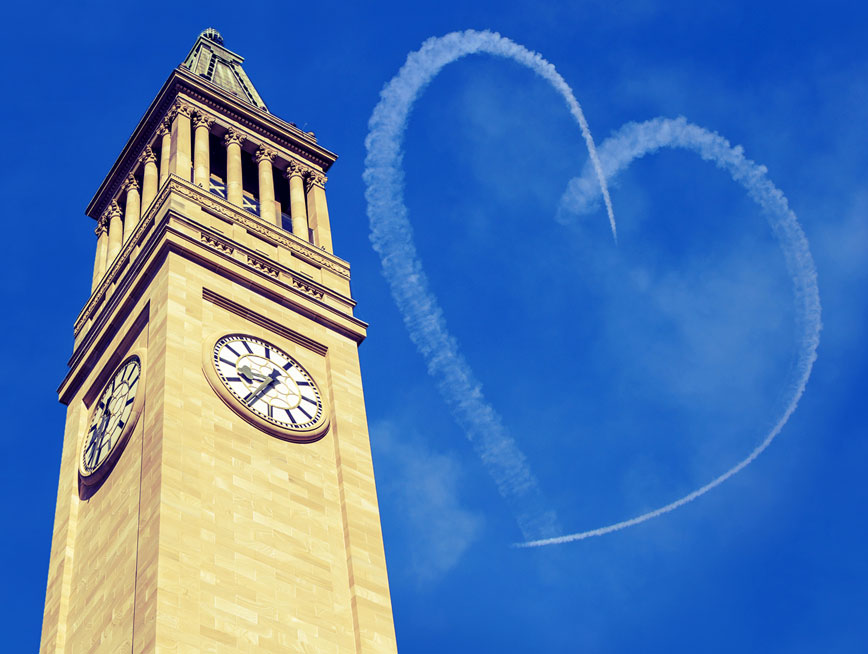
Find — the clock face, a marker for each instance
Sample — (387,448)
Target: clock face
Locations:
(111,416)
(268,382)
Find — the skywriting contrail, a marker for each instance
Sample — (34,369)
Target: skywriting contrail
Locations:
(392,238)
(635,140)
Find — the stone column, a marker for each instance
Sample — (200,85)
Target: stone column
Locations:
(115,232)
(101,251)
(133,208)
(297,208)
(179,153)
(233,141)
(267,210)
(317,210)
(165,134)
(201,155)
(149,178)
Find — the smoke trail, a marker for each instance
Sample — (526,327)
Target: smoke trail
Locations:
(635,140)
(392,238)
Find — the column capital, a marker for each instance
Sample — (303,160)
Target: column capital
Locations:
(148,155)
(130,183)
(101,225)
(314,178)
(112,211)
(294,168)
(179,108)
(201,119)
(264,154)
(183,108)
(234,136)
(164,128)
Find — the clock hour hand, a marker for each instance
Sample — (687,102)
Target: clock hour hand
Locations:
(263,387)
(249,375)
(104,420)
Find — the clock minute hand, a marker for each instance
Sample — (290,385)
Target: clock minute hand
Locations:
(263,387)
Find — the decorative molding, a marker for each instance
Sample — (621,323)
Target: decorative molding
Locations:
(265,267)
(178,108)
(306,287)
(188,87)
(183,108)
(169,118)
(271,133)
(216,243)
(234,136)
(262,321)
(305,252)
(148,155)
(101,226)
(210,202)
(314,178)
(202,119)
(264,154)
(295,168)
(112,211)
(234,214)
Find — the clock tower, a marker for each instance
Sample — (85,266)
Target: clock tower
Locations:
(216,489)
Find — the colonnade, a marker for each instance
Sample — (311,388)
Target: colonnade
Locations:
(185,126)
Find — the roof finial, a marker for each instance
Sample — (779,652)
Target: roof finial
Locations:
(214,35)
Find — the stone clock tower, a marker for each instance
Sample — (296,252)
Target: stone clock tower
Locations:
(216,489)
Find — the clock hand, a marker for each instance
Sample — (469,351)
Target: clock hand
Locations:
(104,420)
(95,445)
(249,375)
(263,387)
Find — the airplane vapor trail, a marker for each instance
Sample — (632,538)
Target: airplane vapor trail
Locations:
(636,140)
(392,238)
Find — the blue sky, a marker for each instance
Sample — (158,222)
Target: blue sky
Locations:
(628,375)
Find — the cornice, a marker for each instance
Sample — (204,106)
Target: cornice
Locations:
(295,281)
(275,236)
(223,103)
(166,239)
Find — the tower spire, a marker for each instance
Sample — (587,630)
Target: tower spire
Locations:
(222,67)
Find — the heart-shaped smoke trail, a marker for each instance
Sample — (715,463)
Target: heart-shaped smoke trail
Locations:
(392,238)
(635,140)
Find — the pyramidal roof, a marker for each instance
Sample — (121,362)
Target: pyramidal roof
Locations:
(222,67)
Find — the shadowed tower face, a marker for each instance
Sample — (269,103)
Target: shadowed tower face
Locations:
(216,490)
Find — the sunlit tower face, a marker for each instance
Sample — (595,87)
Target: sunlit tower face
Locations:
(220,465)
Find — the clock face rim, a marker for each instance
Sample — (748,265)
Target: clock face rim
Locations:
(310,433)
(98,474)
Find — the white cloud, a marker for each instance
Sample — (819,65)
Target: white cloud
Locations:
(424,486)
